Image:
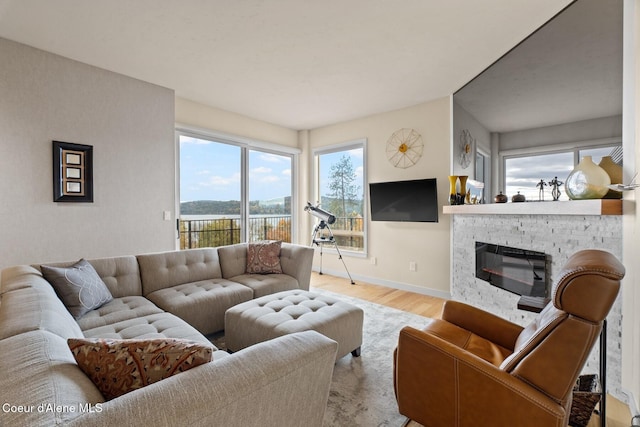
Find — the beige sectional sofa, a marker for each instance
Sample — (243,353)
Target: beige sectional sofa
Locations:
(178,294)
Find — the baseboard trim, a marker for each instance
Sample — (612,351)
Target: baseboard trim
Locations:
(388,283)
(631,401)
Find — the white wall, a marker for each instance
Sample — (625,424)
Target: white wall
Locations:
(129,123)
(209,118)
(395,244)
(631,220)
(576,132)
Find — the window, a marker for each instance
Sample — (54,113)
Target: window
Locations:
(340,190)
(531,174)
(230,192)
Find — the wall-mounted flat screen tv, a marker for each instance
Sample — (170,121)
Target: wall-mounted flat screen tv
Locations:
(405,201)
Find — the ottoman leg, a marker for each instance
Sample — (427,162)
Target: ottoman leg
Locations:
(356,352)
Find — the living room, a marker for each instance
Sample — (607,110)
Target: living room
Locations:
(131,124)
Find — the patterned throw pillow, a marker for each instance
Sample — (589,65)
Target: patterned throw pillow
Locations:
(264,257)
(79,287)
(117,367)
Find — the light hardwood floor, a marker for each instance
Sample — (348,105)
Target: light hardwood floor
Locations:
(618,414)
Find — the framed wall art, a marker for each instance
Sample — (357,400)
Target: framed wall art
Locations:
(72,172)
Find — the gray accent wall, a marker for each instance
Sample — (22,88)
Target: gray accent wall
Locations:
(129,123)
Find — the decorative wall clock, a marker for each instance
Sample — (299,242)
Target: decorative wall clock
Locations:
(404,148)
(466,148)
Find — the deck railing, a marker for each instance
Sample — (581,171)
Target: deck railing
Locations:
(202,233)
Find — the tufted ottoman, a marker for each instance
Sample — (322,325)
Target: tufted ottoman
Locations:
(286,312)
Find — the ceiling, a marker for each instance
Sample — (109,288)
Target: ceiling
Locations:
(570,70)
(295,63)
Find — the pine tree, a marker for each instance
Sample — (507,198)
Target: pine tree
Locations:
(342,189)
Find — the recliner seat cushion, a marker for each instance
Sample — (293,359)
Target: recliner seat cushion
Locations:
(469,341)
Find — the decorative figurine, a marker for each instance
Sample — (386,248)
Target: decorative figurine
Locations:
(516,198)
(541,185)
(501,198)
(555,191)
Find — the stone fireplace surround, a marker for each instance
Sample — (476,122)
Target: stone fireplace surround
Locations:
(559,236)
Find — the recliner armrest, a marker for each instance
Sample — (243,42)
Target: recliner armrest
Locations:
(482,323)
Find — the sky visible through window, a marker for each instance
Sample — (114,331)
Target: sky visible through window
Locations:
(211,171)
(525,173)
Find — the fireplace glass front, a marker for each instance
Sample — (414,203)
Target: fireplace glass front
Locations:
(520,271)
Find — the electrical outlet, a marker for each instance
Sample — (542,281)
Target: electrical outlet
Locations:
(413,266)
(166,215)
(374,261)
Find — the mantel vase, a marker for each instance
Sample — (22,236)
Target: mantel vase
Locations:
(453,182)
(614,171)
(587,181)
(463,184)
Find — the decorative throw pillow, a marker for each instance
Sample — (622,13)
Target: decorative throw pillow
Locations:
(117,367)
(264,257)
(79,287)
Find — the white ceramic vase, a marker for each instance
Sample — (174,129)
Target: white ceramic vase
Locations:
(587,181)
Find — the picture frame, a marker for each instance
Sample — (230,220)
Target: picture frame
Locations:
(72,172)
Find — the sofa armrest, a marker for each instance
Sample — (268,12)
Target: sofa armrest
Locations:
(438,383)
(283,382)
(482,323)
(297,261)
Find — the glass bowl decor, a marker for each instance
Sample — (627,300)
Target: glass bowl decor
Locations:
(587,181)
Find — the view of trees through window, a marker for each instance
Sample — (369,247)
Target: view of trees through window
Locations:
(212,178)
(341,191)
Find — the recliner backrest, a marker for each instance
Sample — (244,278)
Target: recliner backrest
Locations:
(550,352)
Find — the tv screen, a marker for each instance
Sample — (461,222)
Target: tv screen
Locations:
(410,201)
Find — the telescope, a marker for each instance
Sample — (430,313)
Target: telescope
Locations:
(322,233)
(321,214)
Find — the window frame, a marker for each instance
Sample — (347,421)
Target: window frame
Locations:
(245,144)
(360,143)
(573,147)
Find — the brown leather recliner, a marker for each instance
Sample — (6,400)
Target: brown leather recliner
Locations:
(472,368)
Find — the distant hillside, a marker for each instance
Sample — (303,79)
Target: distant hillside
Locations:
(232,207)
(210,207)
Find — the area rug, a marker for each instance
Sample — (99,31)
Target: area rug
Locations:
(362,387)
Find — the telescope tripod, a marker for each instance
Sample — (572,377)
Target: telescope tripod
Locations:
(320,239)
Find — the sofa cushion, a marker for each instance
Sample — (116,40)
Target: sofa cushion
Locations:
(166,269)
(120,274)
(160,325)
(202,304)
(118,367)
(233,260)
(118,310)
(79,287)
(264,257)
(265,284)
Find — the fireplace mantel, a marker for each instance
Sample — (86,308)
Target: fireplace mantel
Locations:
(571,207)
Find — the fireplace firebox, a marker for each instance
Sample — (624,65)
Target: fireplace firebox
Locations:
(520,271)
